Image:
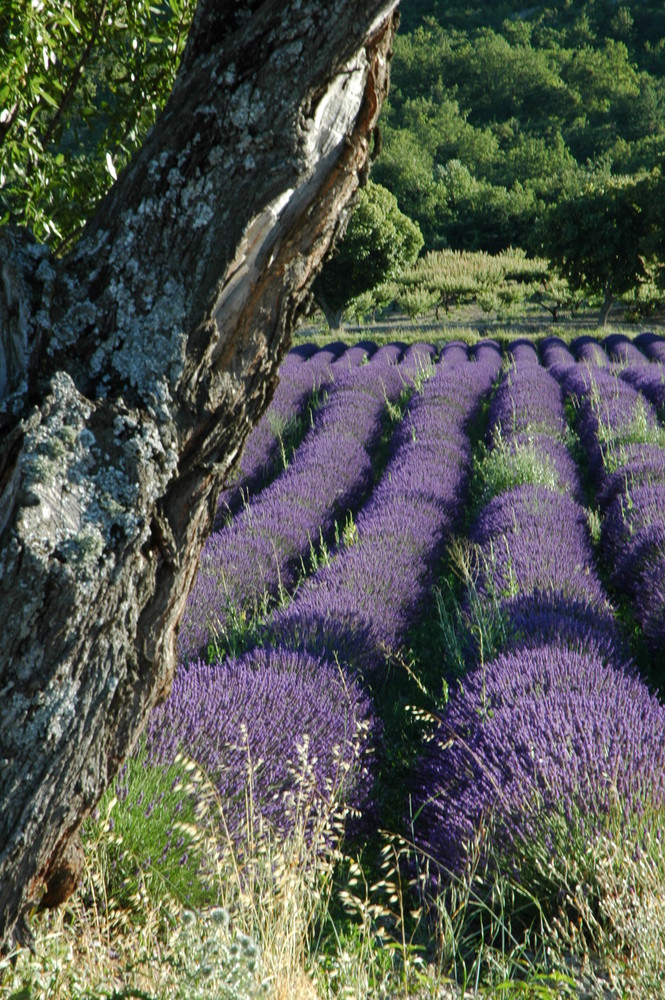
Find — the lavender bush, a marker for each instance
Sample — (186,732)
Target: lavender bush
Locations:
(588,350)
(531,536)
(554,351)
(622,351)
(536,539)
(281,734)
(649,380)
(528,398)
(544,745)
(652,345)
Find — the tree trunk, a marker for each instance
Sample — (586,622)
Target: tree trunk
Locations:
(130,374)
(606,307)
(333,316)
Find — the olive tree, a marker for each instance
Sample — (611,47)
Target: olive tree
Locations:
(378,243)
(132,367)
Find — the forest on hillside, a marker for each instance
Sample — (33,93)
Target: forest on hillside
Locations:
(498,112)
(540,128)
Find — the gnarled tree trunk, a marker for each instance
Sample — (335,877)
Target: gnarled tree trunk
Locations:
(130,374)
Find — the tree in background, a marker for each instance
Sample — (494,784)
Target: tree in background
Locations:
(601,239)
(133,364)
(380,241)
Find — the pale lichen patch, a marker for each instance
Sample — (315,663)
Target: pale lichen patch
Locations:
(82,490)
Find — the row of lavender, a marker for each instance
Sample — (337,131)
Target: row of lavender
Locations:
(624,442)
(249,562)
(556,739)
(304,375)
(299,705)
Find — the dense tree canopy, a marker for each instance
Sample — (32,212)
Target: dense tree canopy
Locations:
(607,239)
(497,112)
(379,242)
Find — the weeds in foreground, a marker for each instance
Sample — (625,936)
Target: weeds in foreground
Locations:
(507,465)
(292,923)
(242,932)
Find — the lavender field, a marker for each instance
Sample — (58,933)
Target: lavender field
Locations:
(426,642)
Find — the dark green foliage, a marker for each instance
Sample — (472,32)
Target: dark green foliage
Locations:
(379,242)
(499,111)
(605,238)
(81,83)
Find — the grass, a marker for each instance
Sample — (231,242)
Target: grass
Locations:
(471,325)
(506,466)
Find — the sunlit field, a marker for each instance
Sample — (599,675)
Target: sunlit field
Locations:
(415,745)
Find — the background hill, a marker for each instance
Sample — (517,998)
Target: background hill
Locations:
(500,111)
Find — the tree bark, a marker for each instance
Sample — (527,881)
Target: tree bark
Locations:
(131,371)
(606,307)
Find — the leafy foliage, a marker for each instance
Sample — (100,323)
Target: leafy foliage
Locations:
(379,242)
(81,82)
(496,112)
(602,238)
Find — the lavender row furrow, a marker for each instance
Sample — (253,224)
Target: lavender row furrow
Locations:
(299,379)
(523,752)
(261,552)
(305,371)
(535,553)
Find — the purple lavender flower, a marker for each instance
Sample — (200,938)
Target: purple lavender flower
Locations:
(642,464)
(523,352)
(649,379)
(652,345)
(527,399)
(299,378)
(247,564)
(267,729)
(588,350)
(555,351)
(389,353)
(455,352)
(622,350)
(650,595)
(362,604)
(621,435)
(535,539)
(549,618)
(539,740)
(301,352)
